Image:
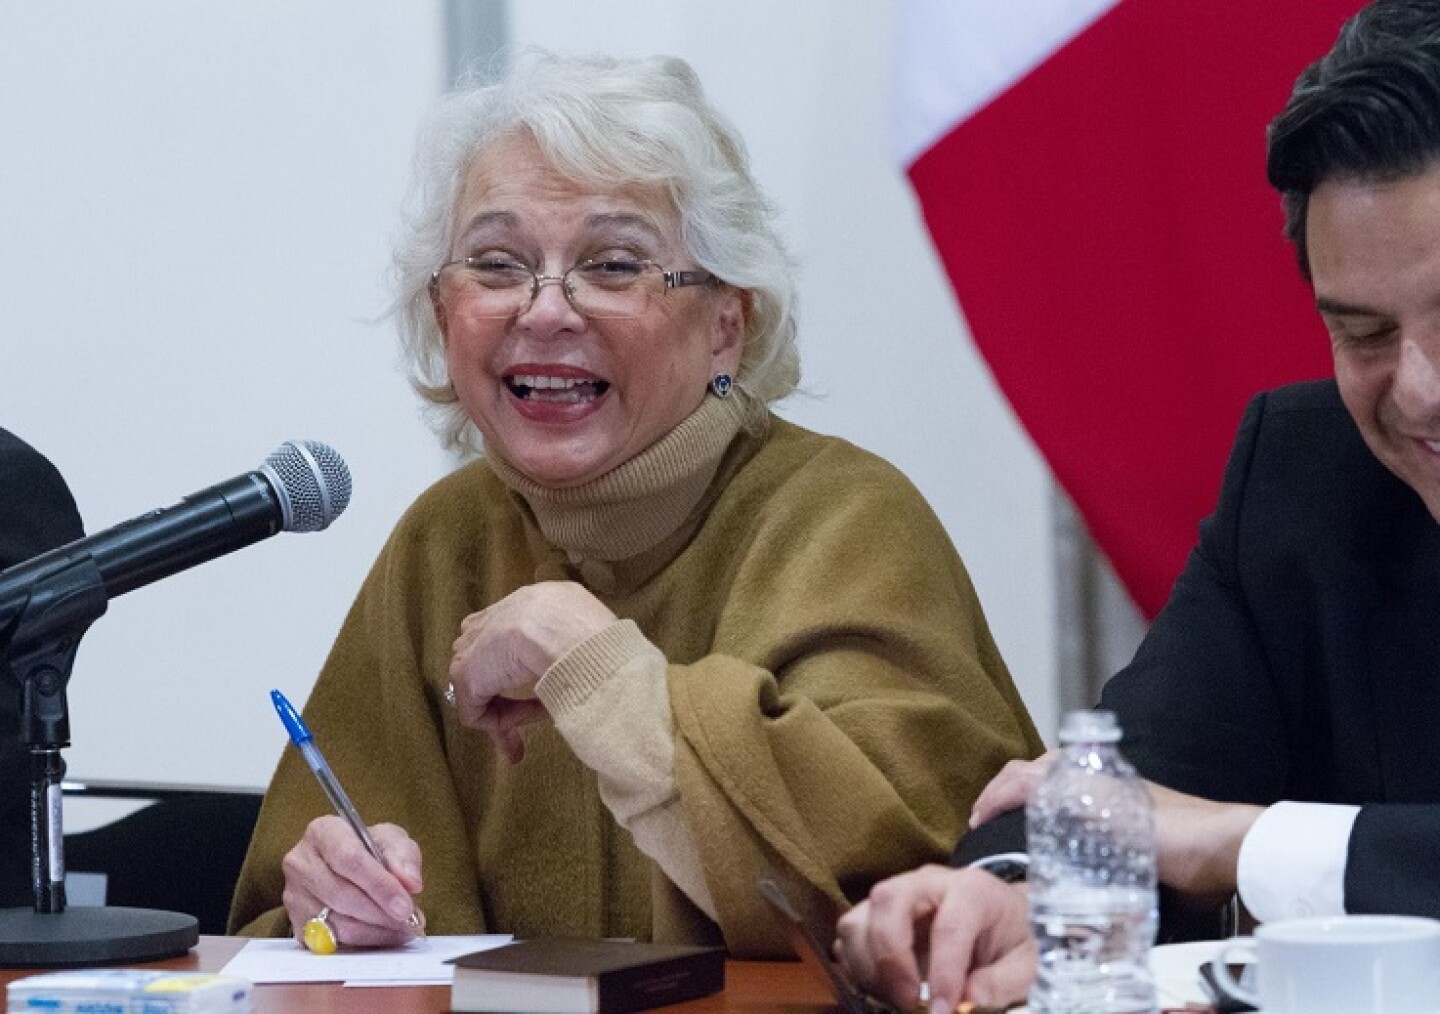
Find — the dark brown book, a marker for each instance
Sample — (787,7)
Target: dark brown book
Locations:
(563,976)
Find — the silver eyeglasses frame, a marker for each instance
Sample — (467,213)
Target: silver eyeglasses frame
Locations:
(672,280)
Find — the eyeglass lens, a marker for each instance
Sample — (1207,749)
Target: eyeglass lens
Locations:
(599,289)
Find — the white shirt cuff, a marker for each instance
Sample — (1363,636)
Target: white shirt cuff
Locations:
(1292,861)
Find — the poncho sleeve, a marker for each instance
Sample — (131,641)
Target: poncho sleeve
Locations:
(849,708)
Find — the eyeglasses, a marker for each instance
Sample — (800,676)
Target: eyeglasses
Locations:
(603,289)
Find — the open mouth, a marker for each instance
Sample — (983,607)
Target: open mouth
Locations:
(565,390)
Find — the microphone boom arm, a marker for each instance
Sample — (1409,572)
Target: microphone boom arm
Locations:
(64,599)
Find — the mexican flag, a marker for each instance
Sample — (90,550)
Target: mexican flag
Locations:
(1092,173)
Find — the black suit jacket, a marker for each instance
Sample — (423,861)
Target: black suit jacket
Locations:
(1299,654)
(36,513)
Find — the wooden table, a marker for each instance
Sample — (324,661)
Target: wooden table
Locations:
(751,987)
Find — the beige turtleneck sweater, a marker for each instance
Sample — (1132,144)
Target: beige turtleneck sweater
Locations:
(802,683)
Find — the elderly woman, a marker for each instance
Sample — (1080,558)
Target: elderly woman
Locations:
(655,641)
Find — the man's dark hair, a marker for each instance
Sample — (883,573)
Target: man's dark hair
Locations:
(1368,110)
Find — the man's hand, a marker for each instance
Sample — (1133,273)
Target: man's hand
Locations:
(1011,788)
(1198,841)
(968,928)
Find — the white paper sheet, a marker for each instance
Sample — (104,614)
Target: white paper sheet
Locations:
(420,962)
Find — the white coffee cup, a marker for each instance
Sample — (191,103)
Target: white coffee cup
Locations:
(1355,964)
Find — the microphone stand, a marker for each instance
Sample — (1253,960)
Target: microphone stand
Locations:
(39,647)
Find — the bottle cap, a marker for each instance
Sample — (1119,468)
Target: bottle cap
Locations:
(1089,727)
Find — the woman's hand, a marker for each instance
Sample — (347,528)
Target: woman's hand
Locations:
(503,650)
(970,930)
(369,905)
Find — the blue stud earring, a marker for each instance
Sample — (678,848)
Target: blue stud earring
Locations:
(720,385)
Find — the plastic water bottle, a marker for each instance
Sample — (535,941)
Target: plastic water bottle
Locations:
(1091,830)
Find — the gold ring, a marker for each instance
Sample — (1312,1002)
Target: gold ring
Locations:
(319,937)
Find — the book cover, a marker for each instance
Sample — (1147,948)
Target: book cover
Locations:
(564,976)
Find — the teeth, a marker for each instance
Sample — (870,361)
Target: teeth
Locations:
(557,389)
(548,383)
(569,396)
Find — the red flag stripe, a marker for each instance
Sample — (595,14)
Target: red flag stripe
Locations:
(1117,253)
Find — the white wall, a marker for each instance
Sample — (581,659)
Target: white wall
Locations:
(196,199)
(195,203)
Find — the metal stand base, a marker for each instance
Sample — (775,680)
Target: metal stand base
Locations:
(93,936)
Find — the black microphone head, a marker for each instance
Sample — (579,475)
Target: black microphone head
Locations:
(311,481)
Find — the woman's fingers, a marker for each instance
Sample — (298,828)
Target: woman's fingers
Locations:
(506,647)
(367,904)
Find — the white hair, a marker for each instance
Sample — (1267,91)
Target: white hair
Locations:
(611,122)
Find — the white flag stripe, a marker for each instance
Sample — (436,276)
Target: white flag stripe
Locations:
(954,56)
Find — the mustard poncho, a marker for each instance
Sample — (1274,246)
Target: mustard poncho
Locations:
(801,682)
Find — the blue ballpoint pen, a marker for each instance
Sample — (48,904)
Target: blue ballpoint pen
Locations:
(304,740)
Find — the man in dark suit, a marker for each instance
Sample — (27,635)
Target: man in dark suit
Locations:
(37,513)
(1286,702)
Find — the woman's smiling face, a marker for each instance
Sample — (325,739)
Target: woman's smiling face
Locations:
(561,397)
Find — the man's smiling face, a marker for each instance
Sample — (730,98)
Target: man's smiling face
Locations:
(1374,254)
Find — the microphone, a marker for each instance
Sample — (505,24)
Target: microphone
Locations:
(302,487)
